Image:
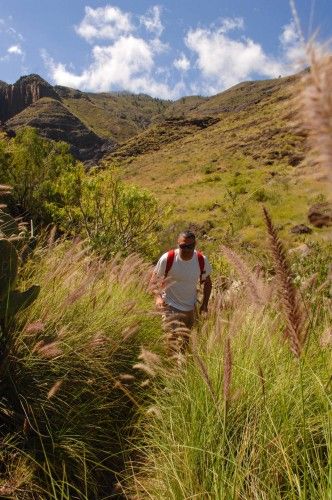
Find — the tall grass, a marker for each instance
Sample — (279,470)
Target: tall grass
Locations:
(261,427)
(249,414)
(245,414)
(67,397)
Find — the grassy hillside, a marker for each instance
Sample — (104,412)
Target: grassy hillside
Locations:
(115,115)
(54,121)
(220,156)
(231,153)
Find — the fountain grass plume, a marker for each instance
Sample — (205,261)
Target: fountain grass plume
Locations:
(255,288)
(315,107)
(289,298)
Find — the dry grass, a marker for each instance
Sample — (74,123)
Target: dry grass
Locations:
(256,288)
(289,297)
(315,103)
(228,364)
(65,404)
(267,437)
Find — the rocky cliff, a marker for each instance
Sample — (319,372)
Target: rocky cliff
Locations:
(26,91)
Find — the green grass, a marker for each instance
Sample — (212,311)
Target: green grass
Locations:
(64,407)
(75,409)
(119,116)
(270,439)
(249,157)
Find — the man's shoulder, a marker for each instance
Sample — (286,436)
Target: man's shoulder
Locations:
(162,259)
(164,256)
(199,252)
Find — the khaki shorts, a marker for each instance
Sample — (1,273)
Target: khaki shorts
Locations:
(177,326)
(171,314)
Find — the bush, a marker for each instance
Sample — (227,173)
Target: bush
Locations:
(51,187)
(34,167)
(114,216)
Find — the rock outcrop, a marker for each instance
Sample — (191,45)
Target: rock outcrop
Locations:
(320,214)
(26,91)
(301,229)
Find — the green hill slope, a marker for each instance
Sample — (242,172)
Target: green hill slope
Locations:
(116,115)
(54,121)
(232,153)
(103,119)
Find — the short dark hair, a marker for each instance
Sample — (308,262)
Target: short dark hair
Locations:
(188,234)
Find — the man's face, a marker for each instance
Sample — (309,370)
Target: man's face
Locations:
(186,247)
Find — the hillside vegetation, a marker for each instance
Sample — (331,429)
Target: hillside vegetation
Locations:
(99,398)
(92,124)
(118,116)
(231,152)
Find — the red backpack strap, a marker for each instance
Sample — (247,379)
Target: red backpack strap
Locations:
(169,262)
(201,263)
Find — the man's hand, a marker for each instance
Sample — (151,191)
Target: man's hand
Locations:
(203,309)
(160,304)
(206,295)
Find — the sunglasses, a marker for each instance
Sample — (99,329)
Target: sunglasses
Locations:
(187,246)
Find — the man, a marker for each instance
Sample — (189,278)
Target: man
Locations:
(181,270)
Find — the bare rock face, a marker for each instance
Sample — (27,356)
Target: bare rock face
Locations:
(301,229)
(26,91)
(302,250)
(320,214)
(33,102)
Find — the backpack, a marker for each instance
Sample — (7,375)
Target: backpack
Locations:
(170,260)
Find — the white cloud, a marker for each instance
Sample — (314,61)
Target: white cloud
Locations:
(289,34)
(158,46)
(182,63)
(224,61)
(15,49)
(13,39)
(231,23)
(221,55)
(152,21)
(14,34)
(127,64)
(125,61)
(293,47)
(104,23)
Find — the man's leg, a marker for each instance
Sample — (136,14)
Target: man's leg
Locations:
(177,326)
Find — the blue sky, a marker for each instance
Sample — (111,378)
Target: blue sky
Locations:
(167,49)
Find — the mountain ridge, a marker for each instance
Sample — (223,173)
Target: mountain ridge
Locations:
(100,121)
(120,124)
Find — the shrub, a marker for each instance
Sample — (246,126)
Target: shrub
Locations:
(260,195)
(34,167)
(50,186)
(114,216)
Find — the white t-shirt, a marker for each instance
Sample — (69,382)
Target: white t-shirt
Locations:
(181,291)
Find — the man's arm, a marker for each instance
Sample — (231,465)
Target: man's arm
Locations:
(156,287)
(206,294)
